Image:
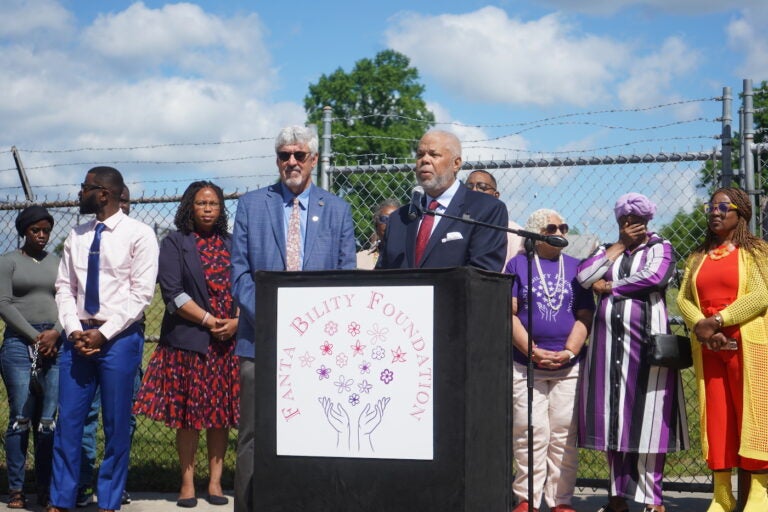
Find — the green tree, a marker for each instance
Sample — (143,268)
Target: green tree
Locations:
(378,117)
(686,231)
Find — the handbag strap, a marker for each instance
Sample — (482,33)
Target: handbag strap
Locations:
(35,357)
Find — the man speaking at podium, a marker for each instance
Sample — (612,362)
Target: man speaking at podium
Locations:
(416,240)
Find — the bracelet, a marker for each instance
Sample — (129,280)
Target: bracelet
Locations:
(718,318)
(205,317)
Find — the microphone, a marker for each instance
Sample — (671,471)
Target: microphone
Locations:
(556,241)
(414,208)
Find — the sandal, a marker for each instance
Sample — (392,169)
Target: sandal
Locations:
(17,500)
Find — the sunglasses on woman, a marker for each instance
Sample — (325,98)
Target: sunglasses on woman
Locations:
(551,229)
(719,207)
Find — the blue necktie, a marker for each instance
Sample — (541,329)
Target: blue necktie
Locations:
(92,279)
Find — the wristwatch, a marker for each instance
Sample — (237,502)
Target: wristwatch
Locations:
(718,318)
(571,355)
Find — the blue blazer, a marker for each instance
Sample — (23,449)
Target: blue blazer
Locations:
(258,243)
(467,244)
(180,272)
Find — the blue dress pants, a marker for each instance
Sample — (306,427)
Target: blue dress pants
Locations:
(114,370)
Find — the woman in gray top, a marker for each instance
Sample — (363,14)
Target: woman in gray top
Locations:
(27,306)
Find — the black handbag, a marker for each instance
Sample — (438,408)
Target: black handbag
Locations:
(669,351)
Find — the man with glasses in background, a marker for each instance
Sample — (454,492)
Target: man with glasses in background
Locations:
(290,225)
(483,181)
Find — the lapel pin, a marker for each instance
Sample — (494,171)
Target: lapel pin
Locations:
(321,203)
(315,218)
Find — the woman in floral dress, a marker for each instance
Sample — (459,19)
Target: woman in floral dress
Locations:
(192,381)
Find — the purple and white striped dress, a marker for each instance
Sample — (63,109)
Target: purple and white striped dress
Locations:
(626,404)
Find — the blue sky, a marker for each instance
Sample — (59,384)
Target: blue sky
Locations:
(112,74)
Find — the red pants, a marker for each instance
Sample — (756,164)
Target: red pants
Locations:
(723,382)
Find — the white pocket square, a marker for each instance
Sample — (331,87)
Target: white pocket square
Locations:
(453,235)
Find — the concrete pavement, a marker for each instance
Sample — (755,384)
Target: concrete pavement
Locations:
(586,500)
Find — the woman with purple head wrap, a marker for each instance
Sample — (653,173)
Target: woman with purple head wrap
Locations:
(634,204)
(632,411)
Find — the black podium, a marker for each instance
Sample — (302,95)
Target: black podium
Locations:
(467,467)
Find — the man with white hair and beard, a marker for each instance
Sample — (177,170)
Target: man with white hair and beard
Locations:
(290,225)
(434,241)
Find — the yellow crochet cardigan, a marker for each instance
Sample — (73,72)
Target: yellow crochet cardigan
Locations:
(749,312)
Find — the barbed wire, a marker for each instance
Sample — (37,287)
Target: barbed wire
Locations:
(151,146)
(146,162)
(591,150)
(524,123)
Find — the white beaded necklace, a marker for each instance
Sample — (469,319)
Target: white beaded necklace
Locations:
(549,297)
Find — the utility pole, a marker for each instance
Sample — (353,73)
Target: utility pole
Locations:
(22,175)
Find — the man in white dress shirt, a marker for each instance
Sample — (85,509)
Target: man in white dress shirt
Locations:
(102,290)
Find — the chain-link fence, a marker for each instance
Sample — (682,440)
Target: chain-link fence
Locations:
(582,189)
(584,194)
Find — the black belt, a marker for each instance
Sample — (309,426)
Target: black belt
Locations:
(92,323)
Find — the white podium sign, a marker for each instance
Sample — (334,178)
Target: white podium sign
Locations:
(355,372)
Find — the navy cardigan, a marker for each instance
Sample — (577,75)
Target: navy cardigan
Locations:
(180,272)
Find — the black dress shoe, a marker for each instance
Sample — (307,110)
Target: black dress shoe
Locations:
(217,500)
(187,502)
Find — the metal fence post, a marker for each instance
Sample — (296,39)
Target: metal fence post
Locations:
(747,148)
(725,137)
(325,155)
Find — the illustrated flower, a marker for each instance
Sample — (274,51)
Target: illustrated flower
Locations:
(365,386)
(326,348)
(378,353)
(365,367)
(354,399)
(353,329)
(377,334)
(343,384)
(323,372)
(306,360)
(398,356)
(386,376)
(331,328)
(357,348)
(341,360)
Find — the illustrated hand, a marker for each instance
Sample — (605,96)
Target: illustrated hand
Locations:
(46,343)
(370,419)
(337,417)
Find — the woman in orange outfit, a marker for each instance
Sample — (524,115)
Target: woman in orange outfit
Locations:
(723,299)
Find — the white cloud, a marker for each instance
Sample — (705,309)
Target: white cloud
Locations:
(139,77)
(747,37)
(651,77)
(607,7)
(489,57)
(183,37)
(34,19)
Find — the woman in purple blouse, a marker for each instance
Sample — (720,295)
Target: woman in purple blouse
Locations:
(562,314)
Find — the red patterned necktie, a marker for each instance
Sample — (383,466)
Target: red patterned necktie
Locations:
(422,237)
(292,251)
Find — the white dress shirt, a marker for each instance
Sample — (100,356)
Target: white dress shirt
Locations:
(127,274)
